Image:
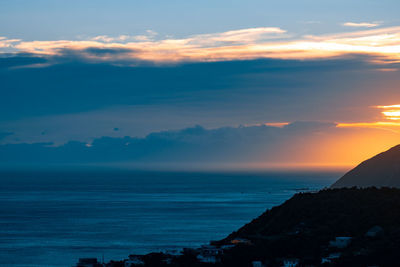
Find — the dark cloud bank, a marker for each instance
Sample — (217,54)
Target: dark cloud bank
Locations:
(196,144)
(69,83)
(34,87)
(295,142)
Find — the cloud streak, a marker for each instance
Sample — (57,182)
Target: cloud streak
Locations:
(252,43)
(391,112)
(390,120)
(361,24)
(8,43)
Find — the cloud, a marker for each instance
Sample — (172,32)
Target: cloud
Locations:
(296,144)
(251,43)
(71,99)
(361,24)
(237,37)
(390,119)
(104,38)
(148,36)
(79,100)
(4,135)
(8,44)
(391,112)
(11,61)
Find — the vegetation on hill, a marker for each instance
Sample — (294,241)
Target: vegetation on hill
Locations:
(303,230)
(304,226)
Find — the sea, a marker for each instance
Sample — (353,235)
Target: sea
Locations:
(53,218)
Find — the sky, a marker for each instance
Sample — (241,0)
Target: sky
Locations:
(198,84)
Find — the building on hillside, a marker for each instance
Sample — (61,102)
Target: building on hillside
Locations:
(290,262)
(134,260)
(257,264)
(340,242)
(209,254)
(374,231)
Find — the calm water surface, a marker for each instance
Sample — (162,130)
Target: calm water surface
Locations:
(54,218)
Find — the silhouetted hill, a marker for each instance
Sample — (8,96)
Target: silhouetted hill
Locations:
(329,213)
(304,226)
(383,170)
(332,227)
(355,223)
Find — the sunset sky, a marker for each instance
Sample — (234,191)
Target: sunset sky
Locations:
(202,84)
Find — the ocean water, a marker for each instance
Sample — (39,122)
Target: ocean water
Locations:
(54,218)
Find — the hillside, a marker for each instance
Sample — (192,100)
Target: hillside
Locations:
(333,227)
(383,170)
(354,223)
(304,226)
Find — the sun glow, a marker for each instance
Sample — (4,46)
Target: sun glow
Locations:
(391,112)
(391,119)
(379,124)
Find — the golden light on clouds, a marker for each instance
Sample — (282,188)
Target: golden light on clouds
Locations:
(277,124)
(361,24)
(251,43)
(379,124)
(330,148)
(391,112)
(347,144)
(390,120)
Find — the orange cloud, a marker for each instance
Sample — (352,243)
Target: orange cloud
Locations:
(391,112)
(391,120)
(263,42)
(379,124)
(277,124)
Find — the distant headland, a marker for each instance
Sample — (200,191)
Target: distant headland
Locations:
(383,170)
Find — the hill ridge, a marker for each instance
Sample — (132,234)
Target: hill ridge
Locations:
(382,170)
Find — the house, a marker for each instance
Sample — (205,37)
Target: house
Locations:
(209,254)
(207,258)
(340,242)
(374,231)
(167,260)
(227,247)
(210,250)
(134,260)
(257,264)
(290,262)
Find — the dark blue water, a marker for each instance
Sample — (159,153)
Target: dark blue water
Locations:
(54,218)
